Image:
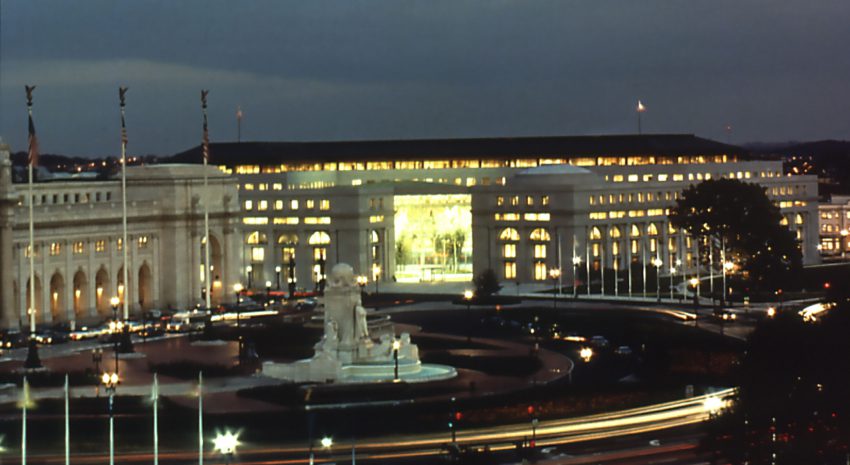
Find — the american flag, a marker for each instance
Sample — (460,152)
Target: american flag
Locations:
(122,91)
(123,131)
(32,157)
(206,138)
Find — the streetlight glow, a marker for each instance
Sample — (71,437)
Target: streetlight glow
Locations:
(226,443)
(714,404)
(771,312)
(327,442)
(114,301)
(586,353)
(467,294)
(237,287)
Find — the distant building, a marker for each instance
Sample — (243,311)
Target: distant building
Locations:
(431,210)
(78,249)
(834,227)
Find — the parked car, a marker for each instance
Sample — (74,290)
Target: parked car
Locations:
(12,339)
(623,350)
(599,342)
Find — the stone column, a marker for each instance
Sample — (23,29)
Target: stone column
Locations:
(8,319)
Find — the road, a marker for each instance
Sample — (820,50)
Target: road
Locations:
(390,449)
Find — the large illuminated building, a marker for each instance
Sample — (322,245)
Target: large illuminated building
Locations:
(78,243)
(442,210)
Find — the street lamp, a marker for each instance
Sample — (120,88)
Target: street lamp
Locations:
(114,327)
(291,277)
(694,282)
(467,296)
(844,233)
(362,281)
(555,273)
(576,263)
(396,347)
(657,262)
(226,444)
(771,312)
(268,292)
(672,272)
(250,270)
(376,274)
(277,276)
(727,268)
(237,288)
(110,382)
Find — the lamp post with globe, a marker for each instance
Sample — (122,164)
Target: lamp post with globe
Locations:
(555,273)
(576,263)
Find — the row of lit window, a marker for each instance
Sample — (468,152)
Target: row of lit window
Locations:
(828,215)
(787,190)
(309,204)
(613,215)
(833,244)
(514,200)
(832,228)
(678,177)
(523,216)
(477,163)
(79,247)
(792,203)
(78,197)
(289,220)
(631,197)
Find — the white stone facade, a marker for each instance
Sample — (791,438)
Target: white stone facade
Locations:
(78,256)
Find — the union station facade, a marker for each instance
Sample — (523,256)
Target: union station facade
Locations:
(78,243)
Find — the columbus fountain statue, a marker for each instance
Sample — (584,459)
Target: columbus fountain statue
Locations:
(347,353)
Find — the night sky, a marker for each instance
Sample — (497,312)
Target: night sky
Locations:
(392,69)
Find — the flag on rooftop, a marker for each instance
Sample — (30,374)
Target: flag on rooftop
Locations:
(32,154)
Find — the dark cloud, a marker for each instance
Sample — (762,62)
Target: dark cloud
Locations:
(347,69)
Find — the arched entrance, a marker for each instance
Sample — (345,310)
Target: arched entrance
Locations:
(58,305)
(123,289)
(102,291)
(216,268)
(319,240)
(145,291)
(80,295)
(287,242)
(38,305)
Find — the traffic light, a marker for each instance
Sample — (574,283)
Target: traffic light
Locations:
(531,410)
(458,416)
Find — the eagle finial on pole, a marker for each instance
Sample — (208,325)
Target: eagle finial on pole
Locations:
(121,92)
(29,94)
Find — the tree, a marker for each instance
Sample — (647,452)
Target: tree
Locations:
(792,393)
(486,283)
(740,219)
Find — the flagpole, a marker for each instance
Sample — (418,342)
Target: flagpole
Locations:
(32,355)
(200,418)
(67,425)
(640,109)
(124,245)
(24,402)
(155,398)
(238,124)
(206,153)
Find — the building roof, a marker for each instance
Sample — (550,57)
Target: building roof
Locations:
(271,153)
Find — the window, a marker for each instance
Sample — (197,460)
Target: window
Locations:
(319,238)
(143,242)
(120,244)
(539,250)
(540,271)
(258,254)
(500,200)
(515,200)
(310,204)
(248,187)
(510,270)
(509,250)
(544,200)
(249,205)
(293,204)
(100,246)
(79,247)
(55,248)
(325,205)
(509,234)
(256,237)
(263,205)
(540,235)
(529,201)
(278,204)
